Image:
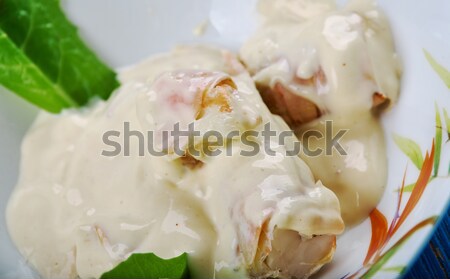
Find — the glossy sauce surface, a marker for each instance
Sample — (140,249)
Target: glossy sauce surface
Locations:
(77,213)
(313,63)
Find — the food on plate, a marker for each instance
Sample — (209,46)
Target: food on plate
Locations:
(76,213)
(176,164)
(314,63)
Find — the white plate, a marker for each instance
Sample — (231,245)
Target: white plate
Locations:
(124,32)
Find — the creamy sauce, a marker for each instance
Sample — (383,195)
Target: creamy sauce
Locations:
(359,177)
(326,64)
(77,213)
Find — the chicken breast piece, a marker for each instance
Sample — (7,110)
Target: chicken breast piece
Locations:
(236,214)
(273,203)
(315,64)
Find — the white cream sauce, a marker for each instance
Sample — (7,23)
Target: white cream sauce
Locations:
(343,62)
(76,213)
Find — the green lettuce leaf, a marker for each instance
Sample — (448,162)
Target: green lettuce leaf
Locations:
(43,60)
(149,266)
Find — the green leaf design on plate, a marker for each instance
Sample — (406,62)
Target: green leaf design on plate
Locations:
(150,266)
(382,261)
(43,60)
(440,70)
(411,149)
(438,138)
(376,267)
(447,123)
(397,269)
(408,188)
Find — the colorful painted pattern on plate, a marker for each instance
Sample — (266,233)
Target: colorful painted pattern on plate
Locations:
(382,248)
